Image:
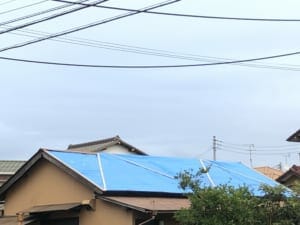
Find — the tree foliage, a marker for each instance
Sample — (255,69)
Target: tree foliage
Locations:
(227,205)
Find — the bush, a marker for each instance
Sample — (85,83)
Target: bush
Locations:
(226,205)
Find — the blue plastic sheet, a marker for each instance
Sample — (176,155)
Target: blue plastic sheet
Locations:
(115,172)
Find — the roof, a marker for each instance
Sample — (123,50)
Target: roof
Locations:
(294,171)
(295,137)
(269,172)
(100,145)
(10,166)
(52,208)
(147,204)
(141,175)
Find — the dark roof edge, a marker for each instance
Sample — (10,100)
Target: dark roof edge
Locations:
(42,154)
(141,194)
(293,137)
(137,208)
(288,174)
(20,173)
(124,204)
(108,140)
(102,141)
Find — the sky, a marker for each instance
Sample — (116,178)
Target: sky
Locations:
(164,111)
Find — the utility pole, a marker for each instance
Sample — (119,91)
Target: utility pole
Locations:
(251,148)
(214,148)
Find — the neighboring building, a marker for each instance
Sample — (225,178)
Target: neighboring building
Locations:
(75,188)
(295,137)
(109,145)
(290,177)
(8,168)
(269,172)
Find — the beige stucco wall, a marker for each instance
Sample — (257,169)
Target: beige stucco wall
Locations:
(106,214)
(44,184)
(47,184)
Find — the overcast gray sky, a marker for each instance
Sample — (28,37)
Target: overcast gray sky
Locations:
(174,111)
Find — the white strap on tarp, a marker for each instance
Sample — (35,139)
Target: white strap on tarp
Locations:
(207,173)
(101,171)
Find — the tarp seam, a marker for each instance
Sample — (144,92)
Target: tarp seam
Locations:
(207,173)
(101,171)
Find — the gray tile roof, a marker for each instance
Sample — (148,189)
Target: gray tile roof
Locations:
(10,166)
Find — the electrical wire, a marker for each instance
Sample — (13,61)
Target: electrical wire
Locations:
(97,23)
(38,13)
(50,17)
(190,15)
(149,51)
(7,2)
(255,152)
(258,149)
(22,7)
(148,66)
(295,146)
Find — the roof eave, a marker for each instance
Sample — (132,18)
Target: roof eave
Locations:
(142,194)
(295,137)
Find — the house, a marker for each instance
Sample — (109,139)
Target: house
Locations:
(88,188)
(269,172)
(8,168)
(295,137)
(291,177)
(109,145)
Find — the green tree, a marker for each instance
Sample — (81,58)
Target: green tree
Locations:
(279,206)
(226,205)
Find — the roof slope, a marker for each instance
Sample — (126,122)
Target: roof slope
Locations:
(10,166)
(269,171)
(138,175)
(153,174)
(295,137)
(294,171)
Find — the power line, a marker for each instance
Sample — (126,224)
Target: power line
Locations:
(49,17)
(97,23)
(191,15)
(258,149)
(277,147)
(149,51)
(246,151)
(22,7)
(143,66)
(7,2)
(38,13)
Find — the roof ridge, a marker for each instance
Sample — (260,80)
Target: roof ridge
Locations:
(100,141)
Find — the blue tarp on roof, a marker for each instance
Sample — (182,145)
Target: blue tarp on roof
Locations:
(111,172)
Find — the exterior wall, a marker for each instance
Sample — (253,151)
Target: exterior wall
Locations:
(106,214)
(292,182)
(118,149)
(47,184)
